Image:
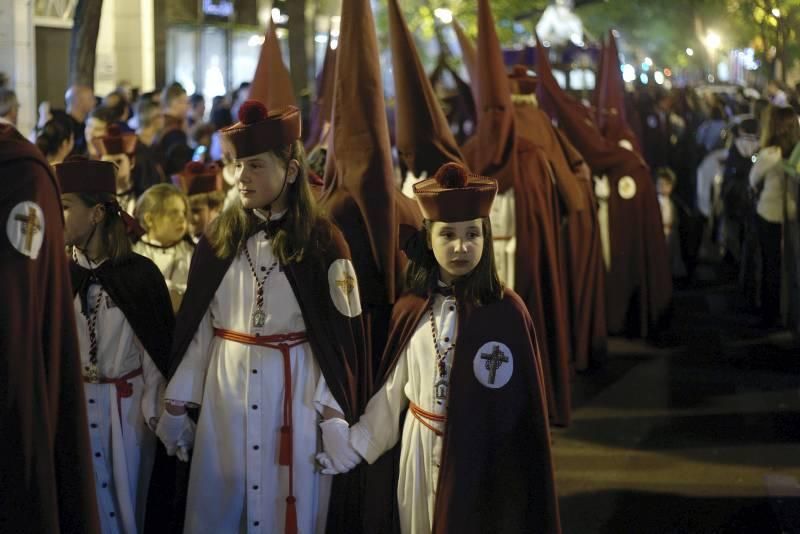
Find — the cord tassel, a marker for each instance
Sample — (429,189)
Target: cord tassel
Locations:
(290,526)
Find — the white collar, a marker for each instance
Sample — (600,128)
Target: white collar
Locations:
(273,216)
(3,120)
(81,259)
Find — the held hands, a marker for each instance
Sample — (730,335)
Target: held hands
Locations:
(176,432)
(339,456)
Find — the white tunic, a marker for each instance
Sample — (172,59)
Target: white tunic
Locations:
(236,483)
(378,429)
(123,446)
(173,261)
(504,232)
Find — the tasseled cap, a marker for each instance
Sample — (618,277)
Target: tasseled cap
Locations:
(259,130)
(79,174)
(197,178)
(115,142)
(521,81)
(454,195)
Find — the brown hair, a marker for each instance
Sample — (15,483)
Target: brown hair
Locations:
(781,129)
(213,200)
(114,236)
(230,230)
(481,286)
(152,201)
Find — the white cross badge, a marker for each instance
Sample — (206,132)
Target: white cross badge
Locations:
(343,286)
(493,365)
(25,228)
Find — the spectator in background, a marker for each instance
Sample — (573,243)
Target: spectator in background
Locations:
(776,94)
(9,107)
(56,140)
(80,102)
(736,187)
(117,105)
(96,126)
(778,138)
(150,121)
(240,95)
(175,104)
(197,109)
(220,115)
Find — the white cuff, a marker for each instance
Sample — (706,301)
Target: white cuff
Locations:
(361,441)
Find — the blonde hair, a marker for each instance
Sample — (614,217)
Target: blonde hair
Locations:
(153,200)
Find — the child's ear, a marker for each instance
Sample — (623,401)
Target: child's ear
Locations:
(148,221)
(98,214)
(292,171)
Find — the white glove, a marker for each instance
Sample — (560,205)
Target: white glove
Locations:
(339,456)
(176,432)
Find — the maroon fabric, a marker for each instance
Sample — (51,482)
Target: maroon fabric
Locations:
(580,252)
(82,175)
(639,282)
(609,97)
(359,167)
(496,448)
(281,127)
(424,140)
(116,142)
(272,84)
(454,195)
(198,178)
(586,271)
(45,468)
(323,105)
(525,167)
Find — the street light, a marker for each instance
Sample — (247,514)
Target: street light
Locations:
(689,52)
(713,40)
(776,12)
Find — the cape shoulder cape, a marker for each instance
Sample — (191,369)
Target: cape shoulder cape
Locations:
(496,449)
(337,341)
(48,483)
(138,288)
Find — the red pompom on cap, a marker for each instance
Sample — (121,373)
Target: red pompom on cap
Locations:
(195,167)
(452,176)
(252,111)
(114,130)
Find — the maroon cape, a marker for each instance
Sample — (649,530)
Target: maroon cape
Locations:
(337,342)
(46,475)
(496,468)
(580,253)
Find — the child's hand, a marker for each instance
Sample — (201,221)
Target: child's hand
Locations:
(340,455)
(176,432)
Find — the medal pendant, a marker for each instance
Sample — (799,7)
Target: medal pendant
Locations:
(92,375)
(259,318)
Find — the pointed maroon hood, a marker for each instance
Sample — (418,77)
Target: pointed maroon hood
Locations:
(323,105)
(609,96)
(575,119)
(359,157)
(424,139)
(494,140)
(272,85)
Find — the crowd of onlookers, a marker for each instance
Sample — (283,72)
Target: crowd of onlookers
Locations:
(720,157)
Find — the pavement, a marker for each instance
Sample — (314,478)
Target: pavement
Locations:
(700,434)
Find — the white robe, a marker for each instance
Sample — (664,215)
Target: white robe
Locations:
(236,484)
(123,446)
(173,262)
(504,232)
(378,430)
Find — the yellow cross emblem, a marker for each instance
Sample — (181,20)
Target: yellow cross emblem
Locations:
(346,284)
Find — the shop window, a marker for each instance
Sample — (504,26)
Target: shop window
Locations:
(181,52)
(214,62)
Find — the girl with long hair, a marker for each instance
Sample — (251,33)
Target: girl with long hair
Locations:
(461,363)
(124,322)
(269,345)
(776,202)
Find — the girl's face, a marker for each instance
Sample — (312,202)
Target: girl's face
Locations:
(79,219)
(260,180)
(201,216)
(169,224)
(457,246)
